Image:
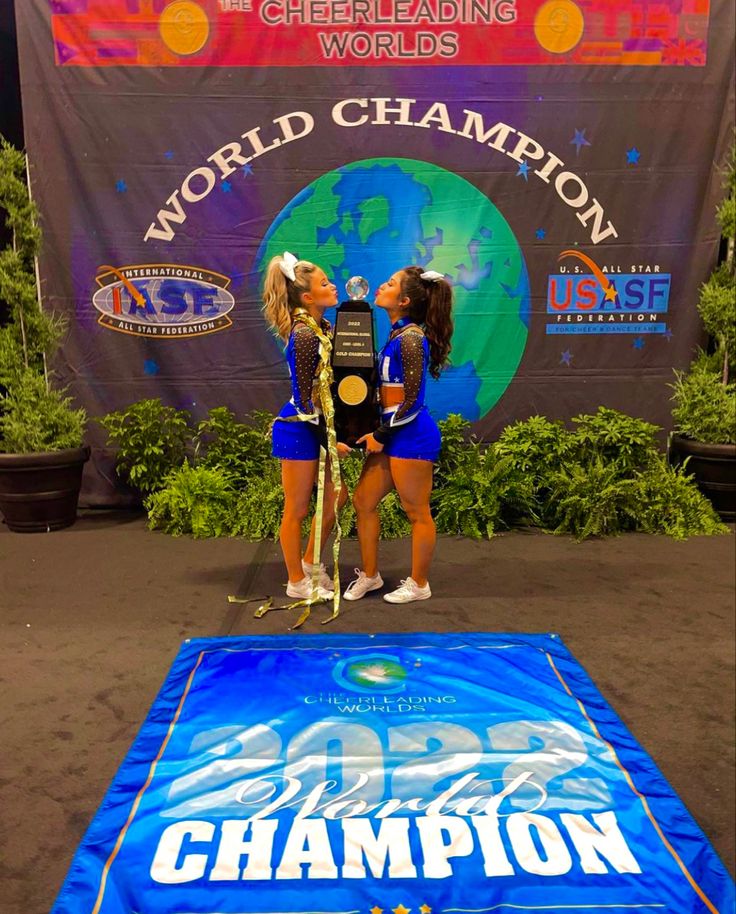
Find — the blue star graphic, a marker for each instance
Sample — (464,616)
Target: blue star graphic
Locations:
(633,155)
(523,170)
(579,140)
(121,187)
(639,342)
(169,154)
(247,170)
(540,233)
(567,357)
(668,334)
(226,187)
(150,367)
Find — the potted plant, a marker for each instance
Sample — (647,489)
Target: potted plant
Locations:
(705,396)
(41,434)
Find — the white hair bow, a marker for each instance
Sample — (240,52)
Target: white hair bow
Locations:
(432,276)
(287,264)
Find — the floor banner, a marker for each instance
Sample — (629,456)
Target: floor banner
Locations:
(368,774)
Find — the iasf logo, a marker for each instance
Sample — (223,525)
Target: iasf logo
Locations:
(372,673)
(607,299)
(163,300)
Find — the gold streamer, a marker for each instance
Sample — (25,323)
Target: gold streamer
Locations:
(267,606)
(262,609)
(325,380)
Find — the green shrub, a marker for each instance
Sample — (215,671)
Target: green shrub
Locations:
(616,438)
(194,500)
(592,500)
(604,477)
(717,308)
(34,417)
(240,449)
(152,442)
(259,504)
(726,212)
(705,408)
(393,519)
(536,446)
(350,470)
(705,401)
(668,502)
(486,491)
(455,431)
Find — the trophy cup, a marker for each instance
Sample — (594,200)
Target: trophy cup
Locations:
(354,365)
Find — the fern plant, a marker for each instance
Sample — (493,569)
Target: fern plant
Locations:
(667,502)
(603,477)
(486,492)
(592,500)
(195,500)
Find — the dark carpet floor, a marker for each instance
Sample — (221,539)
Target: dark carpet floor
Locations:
(92,617)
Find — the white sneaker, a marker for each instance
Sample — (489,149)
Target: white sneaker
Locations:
(303,590)
(408,592)
(324,579)
(362,585)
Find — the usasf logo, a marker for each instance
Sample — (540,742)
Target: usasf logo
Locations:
(608,299)
(163,300)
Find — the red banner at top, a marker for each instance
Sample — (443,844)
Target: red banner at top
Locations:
(260,33)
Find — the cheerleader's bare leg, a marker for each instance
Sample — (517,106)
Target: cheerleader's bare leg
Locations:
(375,483)
(413,481)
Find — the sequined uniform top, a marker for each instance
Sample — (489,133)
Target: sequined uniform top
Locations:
(302,357)
(403,361)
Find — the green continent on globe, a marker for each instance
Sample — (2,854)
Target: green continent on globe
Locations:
(375,216)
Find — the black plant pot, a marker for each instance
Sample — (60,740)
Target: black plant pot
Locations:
(714,469)
(39,492)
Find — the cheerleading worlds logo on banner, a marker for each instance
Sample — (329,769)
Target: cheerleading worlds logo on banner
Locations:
(608,299)
(163,300)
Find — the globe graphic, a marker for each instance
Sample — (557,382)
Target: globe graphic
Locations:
(375,216)
(374,673)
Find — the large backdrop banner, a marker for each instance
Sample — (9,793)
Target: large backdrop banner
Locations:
(557,159)
(389,774)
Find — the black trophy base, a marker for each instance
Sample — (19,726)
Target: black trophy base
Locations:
(353,365)
(352,421)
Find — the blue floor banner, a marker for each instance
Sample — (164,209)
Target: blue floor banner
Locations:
(388,774)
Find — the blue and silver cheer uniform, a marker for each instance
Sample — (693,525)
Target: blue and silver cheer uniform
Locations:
(407,430)
(297,430)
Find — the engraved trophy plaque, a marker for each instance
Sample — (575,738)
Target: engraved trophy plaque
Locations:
(354,365)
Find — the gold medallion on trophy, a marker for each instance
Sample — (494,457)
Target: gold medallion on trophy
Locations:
(352,390)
